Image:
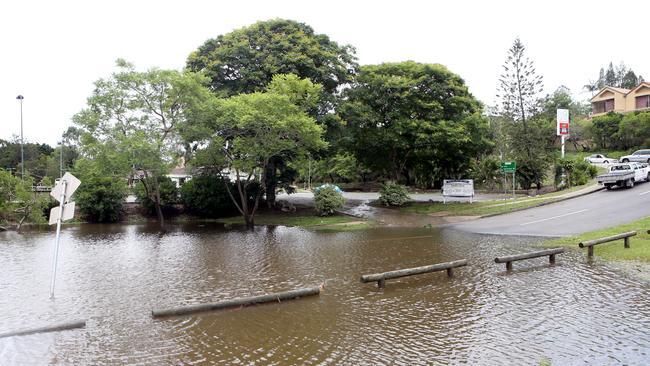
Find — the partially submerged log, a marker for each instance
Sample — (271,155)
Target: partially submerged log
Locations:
(381,278)
(238,302)
(51,328)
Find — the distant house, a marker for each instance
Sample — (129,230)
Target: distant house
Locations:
(180,175)
(610,99)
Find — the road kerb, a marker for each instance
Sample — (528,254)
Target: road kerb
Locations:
(544,203)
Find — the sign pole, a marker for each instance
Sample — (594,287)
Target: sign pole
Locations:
(505,186)
(563,146)
(58,236)
(513,184)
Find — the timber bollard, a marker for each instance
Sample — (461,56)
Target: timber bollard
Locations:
(381,278)
(590,243)
(52,328)
(517,257)
(244,301)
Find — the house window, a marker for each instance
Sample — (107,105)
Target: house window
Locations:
(643,102)
(603,107)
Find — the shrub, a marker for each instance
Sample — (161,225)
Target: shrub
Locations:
(207,196)
(327,199)
(18,204)
(168,195)
(578,172)
(101,199)
(393,194)
(487,173)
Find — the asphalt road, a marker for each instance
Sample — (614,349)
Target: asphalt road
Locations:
(307,198)
(594,211)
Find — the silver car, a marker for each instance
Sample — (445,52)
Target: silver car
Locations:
(639,156)
(600,159)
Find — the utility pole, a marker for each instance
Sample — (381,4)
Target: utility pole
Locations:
(22,151)
(61,159)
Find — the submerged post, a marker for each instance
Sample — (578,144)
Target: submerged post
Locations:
(55,256)
(62,192)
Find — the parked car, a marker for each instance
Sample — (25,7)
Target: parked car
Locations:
(639,156)
(600,159)
(625,175)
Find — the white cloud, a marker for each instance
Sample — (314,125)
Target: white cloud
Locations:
(53,51)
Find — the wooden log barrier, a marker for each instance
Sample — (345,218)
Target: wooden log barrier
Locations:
(590,243)
(517,257)
(51,328)
(381,278)
(244,301)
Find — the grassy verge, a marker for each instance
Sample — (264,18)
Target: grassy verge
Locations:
(304,219)
(639,245)
(487,207)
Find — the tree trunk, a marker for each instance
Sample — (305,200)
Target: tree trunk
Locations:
(270,183)
(152,189)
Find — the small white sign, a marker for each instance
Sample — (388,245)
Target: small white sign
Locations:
(68,213)
(458,188)
(562,127)
(71,186)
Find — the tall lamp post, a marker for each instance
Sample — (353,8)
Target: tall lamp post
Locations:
(22,151)
(61,160)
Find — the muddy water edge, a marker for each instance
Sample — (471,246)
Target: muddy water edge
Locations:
(113,275)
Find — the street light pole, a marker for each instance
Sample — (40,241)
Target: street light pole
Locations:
(22,151)
(61,160)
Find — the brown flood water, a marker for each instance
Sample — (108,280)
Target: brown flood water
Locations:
(114,275)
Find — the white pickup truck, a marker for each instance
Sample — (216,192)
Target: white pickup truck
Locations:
(625,175)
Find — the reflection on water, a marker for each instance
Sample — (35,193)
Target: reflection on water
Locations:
(113,275)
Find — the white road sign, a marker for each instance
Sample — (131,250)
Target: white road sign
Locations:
(62,192)
(71,186)
(68,213)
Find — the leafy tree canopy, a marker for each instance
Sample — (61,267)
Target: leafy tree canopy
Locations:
(405,117)
(245,60)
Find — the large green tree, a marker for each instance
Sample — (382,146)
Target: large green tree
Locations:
(246,132)
(132,123)
(519,85)
(413,121)
(619,77)
(528,133)
(246,60)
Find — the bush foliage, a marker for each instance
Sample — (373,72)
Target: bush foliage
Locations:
(327,200)
(207,196)
(393,194)
(101,199)
(168,196)
(578,172)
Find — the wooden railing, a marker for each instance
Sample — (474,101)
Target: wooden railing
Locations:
(590,243)
(381,278)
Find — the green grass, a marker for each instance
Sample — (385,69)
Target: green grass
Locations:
(486,207)
(321,223)
(639,245)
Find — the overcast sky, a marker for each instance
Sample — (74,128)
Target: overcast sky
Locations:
(52,51)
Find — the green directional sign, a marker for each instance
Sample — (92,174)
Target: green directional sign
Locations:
(509,166)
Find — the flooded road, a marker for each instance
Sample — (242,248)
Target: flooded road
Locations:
(114,275)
